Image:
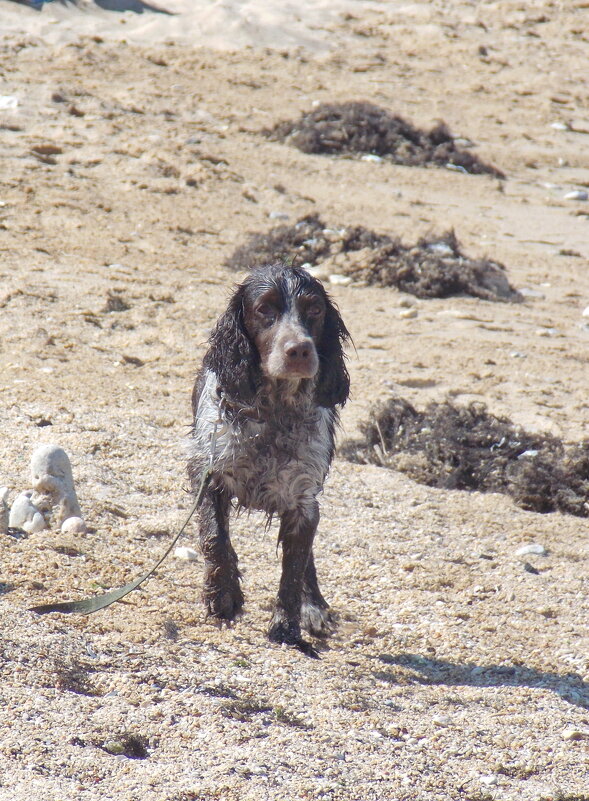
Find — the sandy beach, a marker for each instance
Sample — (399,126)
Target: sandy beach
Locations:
(133,166)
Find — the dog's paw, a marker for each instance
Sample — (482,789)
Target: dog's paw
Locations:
(317,620)
(289,633)
(223,603)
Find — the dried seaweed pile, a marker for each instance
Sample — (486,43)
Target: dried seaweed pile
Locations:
(467,448)
(360,127)
(435,267)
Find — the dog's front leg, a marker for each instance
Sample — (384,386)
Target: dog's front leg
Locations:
(222,593)
(297,530)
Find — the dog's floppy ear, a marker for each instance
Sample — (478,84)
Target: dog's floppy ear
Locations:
(232,355)
(333,381)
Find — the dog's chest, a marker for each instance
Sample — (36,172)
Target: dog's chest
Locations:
(273,464)
(280,464)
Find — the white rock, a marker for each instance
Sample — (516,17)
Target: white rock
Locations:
(3,510)
(53,484)
(319,272)
(186,553)
(278,215)
(24,514)
(8,102)
(441,720)
(531,548)
(372,157)
(528,292)
(440,248)
(586,312)
(73,525)
(577,194)
(560,126)
(340,280)
(407,314)
(574,733)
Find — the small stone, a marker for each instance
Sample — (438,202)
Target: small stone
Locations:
(531,548)
(586,312)
(340,280)
(527,292)
(373,158)
(530,453)
(25,515)
(440,249)
(186,553)
(73,525)
(560,126)
(577,194)
(319,271)
(490,781)
(8,102)
(278,215)
(408,314)
(574,733)
(441,720)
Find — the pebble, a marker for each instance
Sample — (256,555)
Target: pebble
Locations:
(490,781)
(24,514)
(574,733)
(442,720)
(340,280)
(440,248)
(560,126)
(73,525)
(373,158)
(577,194)
(186,553)
(407,314)
(531,548)
(320,272)
(531,293)
(586,312)
(8,102)
(278,215)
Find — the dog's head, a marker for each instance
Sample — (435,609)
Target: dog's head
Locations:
(280,324)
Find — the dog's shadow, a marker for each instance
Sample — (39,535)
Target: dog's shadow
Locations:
(569,686)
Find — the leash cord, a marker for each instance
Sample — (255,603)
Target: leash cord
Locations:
(88,605)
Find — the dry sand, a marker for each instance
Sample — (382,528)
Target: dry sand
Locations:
(132,168)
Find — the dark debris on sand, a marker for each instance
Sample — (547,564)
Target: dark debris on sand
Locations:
(468,448)
(360,127)
(435,267)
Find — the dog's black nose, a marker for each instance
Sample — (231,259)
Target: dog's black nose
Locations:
(299,351)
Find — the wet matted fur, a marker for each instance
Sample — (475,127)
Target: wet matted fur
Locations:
(266,401)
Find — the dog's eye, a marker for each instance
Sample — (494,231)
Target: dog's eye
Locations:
(266,311)
(315,310)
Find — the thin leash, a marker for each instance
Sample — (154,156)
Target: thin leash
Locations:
(88,605)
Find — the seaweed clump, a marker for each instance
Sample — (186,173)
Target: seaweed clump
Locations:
(435,267)
(467,448)
(359,127)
